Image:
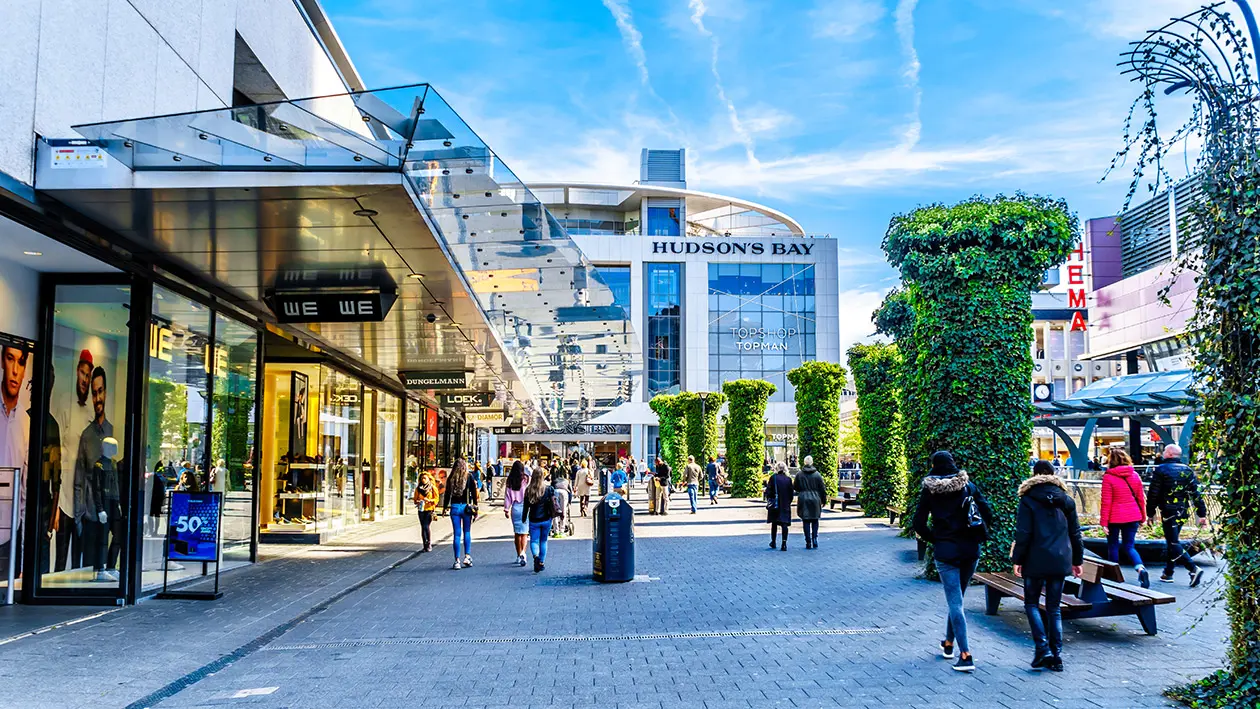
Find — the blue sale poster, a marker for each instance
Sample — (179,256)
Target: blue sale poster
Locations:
(193,531)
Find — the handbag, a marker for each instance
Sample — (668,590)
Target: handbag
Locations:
(472,496)
(975,521)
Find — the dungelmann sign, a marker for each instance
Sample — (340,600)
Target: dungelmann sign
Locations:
(755,248)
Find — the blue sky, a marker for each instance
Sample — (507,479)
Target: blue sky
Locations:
(840,112)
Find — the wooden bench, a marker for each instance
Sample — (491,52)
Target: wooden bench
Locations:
(845,496)
(894,513)
(1100,592)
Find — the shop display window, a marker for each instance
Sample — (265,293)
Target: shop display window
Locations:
(292,478)
(82,493)
(341,445)
(233,448)
(387,470)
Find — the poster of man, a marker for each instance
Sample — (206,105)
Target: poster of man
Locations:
(15,428)
(297,430)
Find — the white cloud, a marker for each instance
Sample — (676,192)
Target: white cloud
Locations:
(855,316)
(904,15)
(1127,19)
(630,36)
(698,10)
(847,20)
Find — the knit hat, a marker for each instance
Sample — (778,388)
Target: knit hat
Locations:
(943,464)
(86,356)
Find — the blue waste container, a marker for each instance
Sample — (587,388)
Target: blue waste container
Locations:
(614,540)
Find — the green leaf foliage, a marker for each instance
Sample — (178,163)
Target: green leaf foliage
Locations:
(972,268)
(746,433)
(701,423)
(672,428)
(895,318)
(877,371)
(818,387)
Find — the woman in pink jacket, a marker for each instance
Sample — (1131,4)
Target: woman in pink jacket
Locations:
(1123,505)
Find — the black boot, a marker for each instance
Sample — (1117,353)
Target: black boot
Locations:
(784,546)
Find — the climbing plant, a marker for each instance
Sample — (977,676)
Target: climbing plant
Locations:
(672,429)
(818,387)
(701,423)
(1208,56)
(877,375)
(974,266)
(746,433)
(895,318)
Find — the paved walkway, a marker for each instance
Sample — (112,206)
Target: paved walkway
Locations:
(716,620)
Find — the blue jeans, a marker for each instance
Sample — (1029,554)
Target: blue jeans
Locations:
(1054,594)
(1120,537)
(692,490)
(538,533)
(461,520)
(955,580)
(713,489)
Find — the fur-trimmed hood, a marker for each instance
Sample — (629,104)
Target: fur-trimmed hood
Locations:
(1036,480)
(945,484)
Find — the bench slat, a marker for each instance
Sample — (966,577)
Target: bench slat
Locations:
(1137,595)
(1013,586)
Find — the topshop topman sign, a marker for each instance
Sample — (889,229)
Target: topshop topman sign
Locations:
(435,380)
(756,248)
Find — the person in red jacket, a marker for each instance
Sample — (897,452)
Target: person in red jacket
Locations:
(1123,510)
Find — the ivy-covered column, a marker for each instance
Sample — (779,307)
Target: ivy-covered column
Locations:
(895,318)
(818,386)
(746,433)
(975,266)
(701,412)
(672,429)
(877,374)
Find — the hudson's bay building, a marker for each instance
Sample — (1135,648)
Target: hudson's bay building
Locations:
(718,288)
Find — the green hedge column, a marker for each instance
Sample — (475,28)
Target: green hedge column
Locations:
(818,387)
(877,374)
(895,318)
(975,266)
(672,429)
(701,426)
(746,434)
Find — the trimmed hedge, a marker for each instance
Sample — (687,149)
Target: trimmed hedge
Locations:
(818,387)
(746,434)
(701,423)
(895,318)
(672,430)
(974,267)
(877,370)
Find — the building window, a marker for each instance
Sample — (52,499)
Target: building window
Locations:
(664,328)
(1057,349)
(618,280)
(761,323)
(1060,389)
(1076,344)
(663,221)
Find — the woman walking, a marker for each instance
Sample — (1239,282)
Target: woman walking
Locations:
(564,494)
(585,481)
(514,507)
(811,490)
(779,504)
(1123,509)
(539,511)
(460,501)
(1047,548)
(953,503)
(426,498)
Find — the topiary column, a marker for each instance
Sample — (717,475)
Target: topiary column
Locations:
(877,374)
(895,318)
(701,423)
(746,433)
(818,387)
(974,267)
(671,427)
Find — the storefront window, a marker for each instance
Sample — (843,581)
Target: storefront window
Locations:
(341,445)
(387,468)
(431,428)
(177,426)
(761,323)
(82,498)
(232,444)
(293,478)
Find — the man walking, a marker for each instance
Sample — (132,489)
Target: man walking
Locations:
(663,485)
(691,476)
(711,471)
(1173,488)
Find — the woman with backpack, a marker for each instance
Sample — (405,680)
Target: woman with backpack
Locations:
(460,501)
(1123,511)
(811,490)
(779,495)
(426,498)
(514,507)
(1047,548)
(539,510)
(960,517)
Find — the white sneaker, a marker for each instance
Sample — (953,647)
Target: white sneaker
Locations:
(456,566)
(520,560)
(468,560)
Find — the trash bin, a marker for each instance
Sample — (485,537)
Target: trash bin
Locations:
(614,540)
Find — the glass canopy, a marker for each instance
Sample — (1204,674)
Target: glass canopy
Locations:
(552,313)
(1156,392)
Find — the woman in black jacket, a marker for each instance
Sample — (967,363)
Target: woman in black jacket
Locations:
(779,504)
(946,497)
(1047,548)
(811,490)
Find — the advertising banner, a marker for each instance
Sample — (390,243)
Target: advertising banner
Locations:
(193,533)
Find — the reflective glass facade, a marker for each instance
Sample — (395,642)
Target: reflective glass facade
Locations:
(761,323)
(663,221)
(618,280)
(664,328)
